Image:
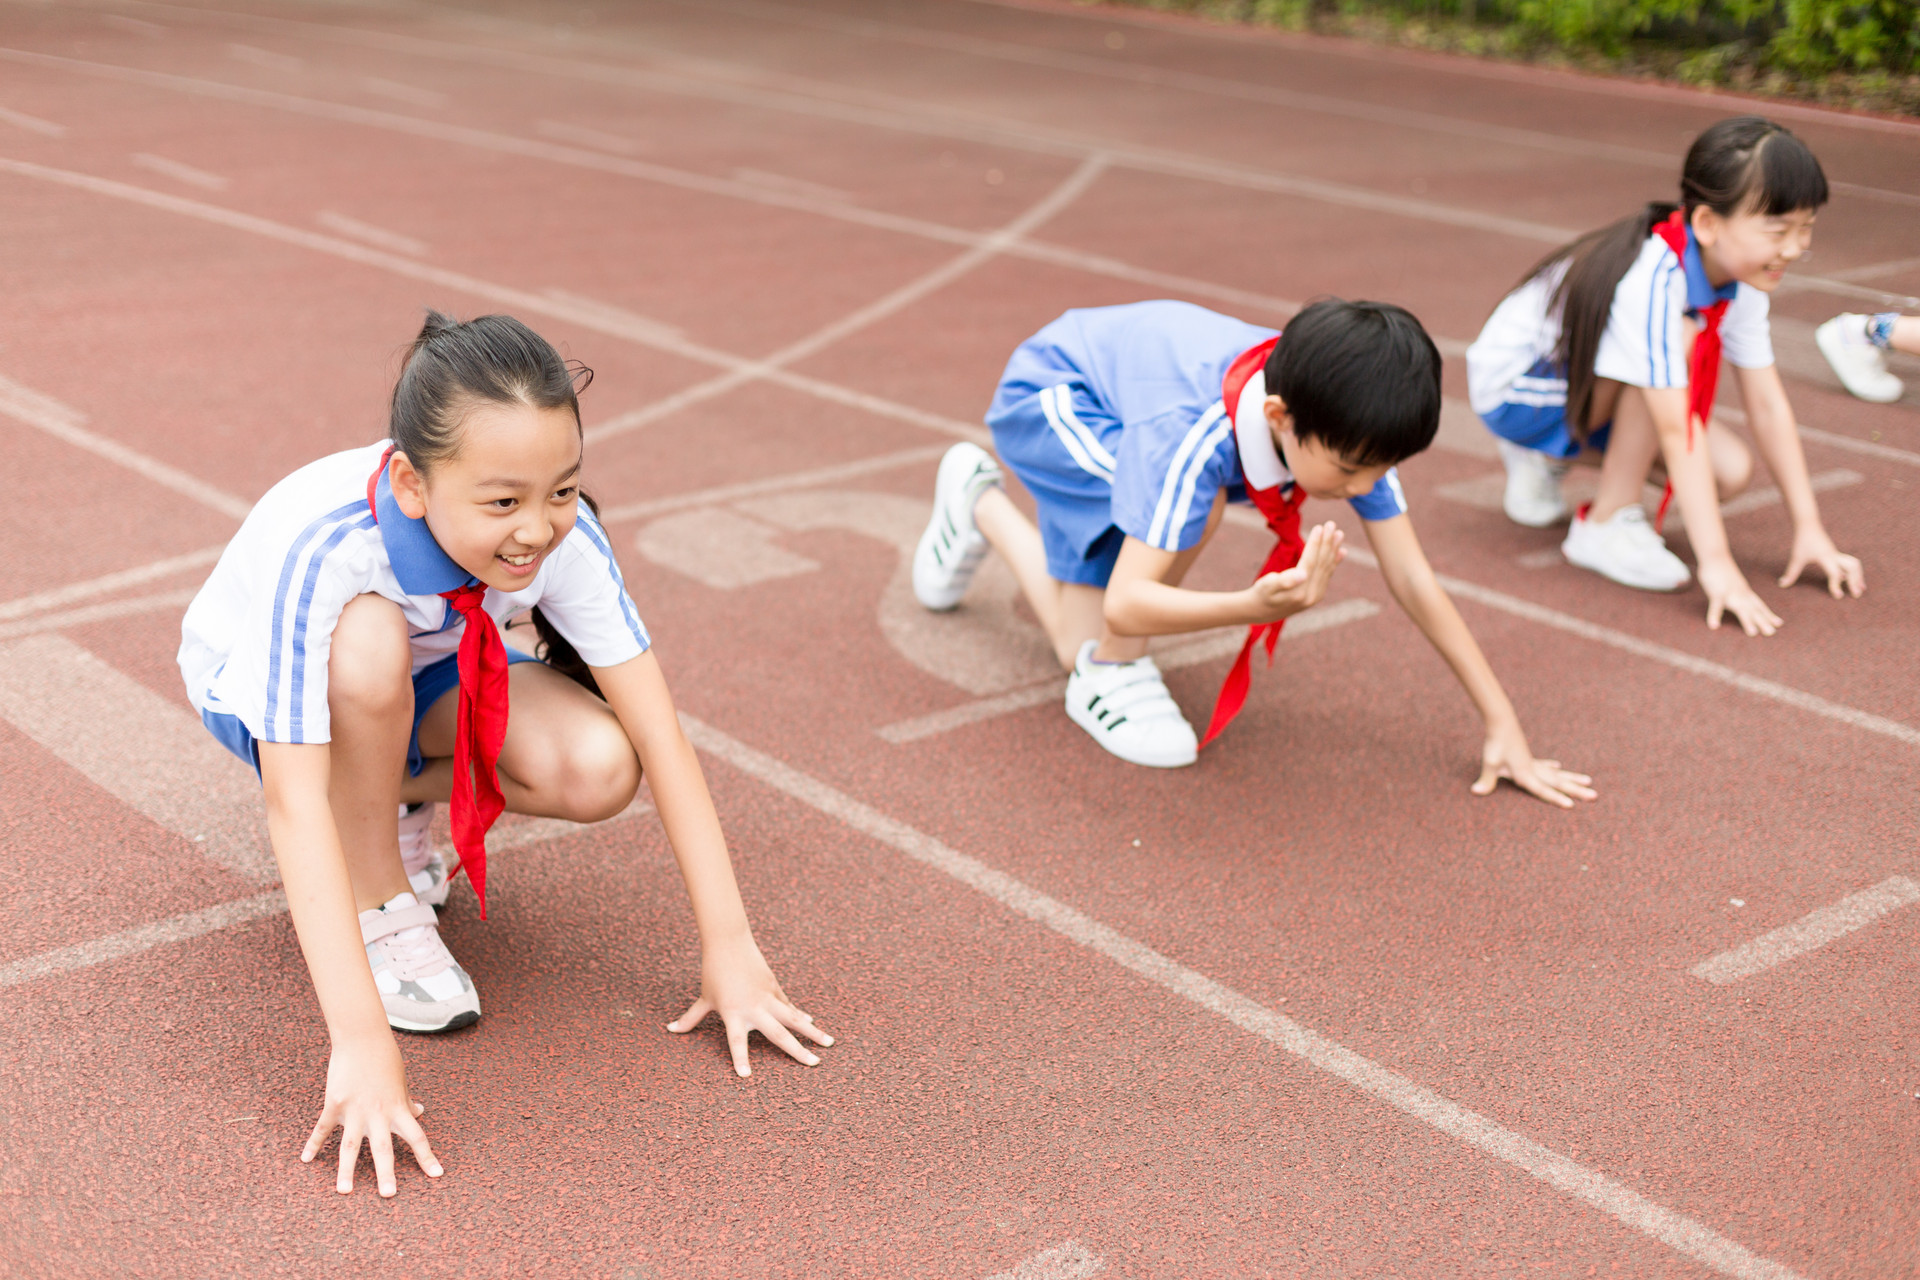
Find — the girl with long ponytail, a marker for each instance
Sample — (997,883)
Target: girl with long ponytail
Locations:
(1608,353)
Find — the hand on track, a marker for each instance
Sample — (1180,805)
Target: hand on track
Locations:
(1295,590)
(1728,592)
(1813,547)
(1506,756)
(367,1098)
(736,983)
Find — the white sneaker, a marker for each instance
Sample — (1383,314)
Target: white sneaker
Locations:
(422,986)
(1858,363)
(952,547)
(1533,496)
(1127,709)
(1626,549)
(428,871)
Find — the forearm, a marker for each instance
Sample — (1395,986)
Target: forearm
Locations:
(1690,472)
(693,829)
(1433,611)
(1143,607)
(320,898)
(1770,419)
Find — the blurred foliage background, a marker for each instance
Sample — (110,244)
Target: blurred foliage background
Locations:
(1863,53)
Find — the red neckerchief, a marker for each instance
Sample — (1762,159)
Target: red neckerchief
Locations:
(1283,517)
(482,726)
(1703,363)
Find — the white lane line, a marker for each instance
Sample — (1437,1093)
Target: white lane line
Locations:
(99,613)
(150,752)
(106,584)
(180,928)
(560,131)
(800,186)
(539,304)
(1485,492)
(67,424)
(1676,658)
(1767,496)
(772,484)
(379,237)
(152,30)
(257,57)
(394,90)
(1871,448)
(906,295)
(629,321)
(181,172)
(1188,653)
(1685,1235)
(1854,275)
(194,924)
(1069,1260)
(1810,932)
(32,124)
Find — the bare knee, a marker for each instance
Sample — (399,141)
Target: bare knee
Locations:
(592,773)
(1732,466)
(370,665)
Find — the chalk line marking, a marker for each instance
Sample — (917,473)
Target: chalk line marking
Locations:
(267,58)
(1187,653)
(560,131)
(1810,932)
(782,182)
(152,30)
(33,124)
(106,584)
(67,424)
(596,318)
(1068,1260)
(1676,658)
(379,237)
(114,946)
(181,172)
(629,320)
(396,91)
(1871,448)
(1485,492)
(99,613)
(1680,1233)
(772,484)
(888,304)
(148,751)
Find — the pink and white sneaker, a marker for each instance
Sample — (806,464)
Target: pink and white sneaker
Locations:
(430,874)
(421,985)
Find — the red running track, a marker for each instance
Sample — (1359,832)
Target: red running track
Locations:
(1307,1009)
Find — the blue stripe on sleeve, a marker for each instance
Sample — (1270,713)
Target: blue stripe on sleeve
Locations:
(299,548)
(598,536)
(296,696)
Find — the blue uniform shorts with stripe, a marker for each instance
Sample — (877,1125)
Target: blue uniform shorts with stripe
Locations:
(1537,418)
(430,684)
(1061,443)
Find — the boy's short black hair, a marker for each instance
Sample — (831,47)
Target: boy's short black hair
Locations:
(1362,378)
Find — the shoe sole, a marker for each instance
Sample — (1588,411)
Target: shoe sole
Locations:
(949,597)
(459,1020)
(1097,732)
(1823,338)
(1548,523)
(1611,577)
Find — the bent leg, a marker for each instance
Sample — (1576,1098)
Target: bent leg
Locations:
(1633,443)
(1732,461)
(566,754)
(1119,648)
(1069,612)
(370,702)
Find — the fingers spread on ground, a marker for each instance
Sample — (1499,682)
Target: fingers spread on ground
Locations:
(380,1142)
(784,1038)
(737,1046)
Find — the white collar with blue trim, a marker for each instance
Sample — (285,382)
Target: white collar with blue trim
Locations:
(419,564)
(1700,291)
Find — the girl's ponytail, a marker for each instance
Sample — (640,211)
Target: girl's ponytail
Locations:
(1595,265)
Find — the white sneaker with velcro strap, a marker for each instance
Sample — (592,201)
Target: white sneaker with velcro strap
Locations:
(951,549)
(1126,708)
(428,870)
(422,986)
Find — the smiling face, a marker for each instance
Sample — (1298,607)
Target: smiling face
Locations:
(506,497)
(1321,471)
(1751,247)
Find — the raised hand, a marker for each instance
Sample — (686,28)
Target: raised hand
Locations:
(1813,547)
(1728,592)
(367,1098)
(737,983)
(1506,756)
(1281,595)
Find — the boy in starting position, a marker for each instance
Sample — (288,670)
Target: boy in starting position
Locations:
(1133,427)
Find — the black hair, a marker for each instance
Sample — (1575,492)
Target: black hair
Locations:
(1362,378)
(455,366)
(1745,164)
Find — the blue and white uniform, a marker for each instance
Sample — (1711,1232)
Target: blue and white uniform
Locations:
(256,639)
(1519,390)
(1111,417)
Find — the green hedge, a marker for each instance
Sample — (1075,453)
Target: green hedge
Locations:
(1805,37)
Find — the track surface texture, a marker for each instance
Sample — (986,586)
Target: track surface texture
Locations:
(1307,1009)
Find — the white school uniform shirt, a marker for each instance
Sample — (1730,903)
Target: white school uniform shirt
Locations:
(256,639)
(1645,342)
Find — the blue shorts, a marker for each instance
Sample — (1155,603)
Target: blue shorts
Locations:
(1061,444)
(1536,417)
(430,684)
